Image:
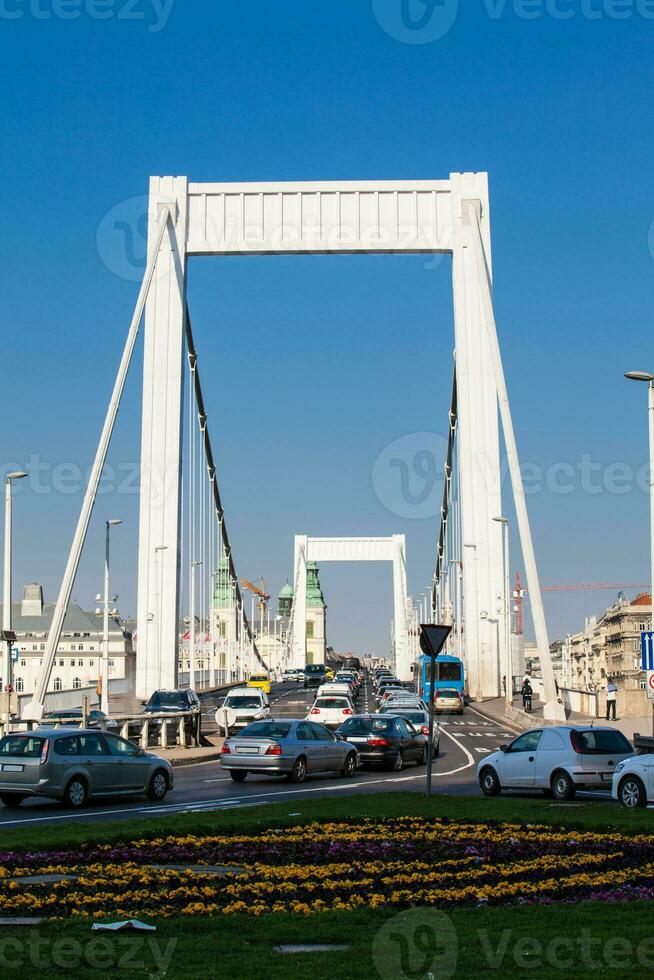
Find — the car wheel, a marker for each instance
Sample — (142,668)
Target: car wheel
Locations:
(299,770)
(397,764)
(349,766)
(76,793)
(632,793)
(238,775)
(562,786)
(489,782)
(12,799)
(422,758)
(158,785)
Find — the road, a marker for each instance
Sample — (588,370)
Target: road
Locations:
(202,787)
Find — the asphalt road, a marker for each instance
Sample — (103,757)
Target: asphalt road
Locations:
(204,786)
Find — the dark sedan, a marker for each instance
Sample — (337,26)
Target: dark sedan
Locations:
(385,740)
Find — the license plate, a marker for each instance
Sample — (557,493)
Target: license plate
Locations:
(356,739)
(7,767)
(246,750)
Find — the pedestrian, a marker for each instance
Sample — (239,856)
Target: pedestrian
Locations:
(527,694)
(611,698)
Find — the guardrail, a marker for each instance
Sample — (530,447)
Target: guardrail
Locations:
(165,729)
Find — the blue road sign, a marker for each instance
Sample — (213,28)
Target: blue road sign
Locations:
(647,650)
(15,653)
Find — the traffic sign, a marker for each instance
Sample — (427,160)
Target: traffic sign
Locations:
(647,650)
(15,654)
(650,683)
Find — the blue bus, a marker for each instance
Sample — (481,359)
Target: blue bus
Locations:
(450,672)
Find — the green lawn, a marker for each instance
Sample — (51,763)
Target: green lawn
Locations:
(587,941)
(594,815)
(583,940)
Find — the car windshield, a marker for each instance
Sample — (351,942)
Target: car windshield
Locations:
(167,699)
(266,729)
(315,669)
(242,701)
(331,703)
(447,692)
(596,741)
(25,745)
(415,717)
(364,726)
(258,677)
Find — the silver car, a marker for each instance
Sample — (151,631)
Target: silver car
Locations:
(242,706)
(287,747)
(73,765)
(558,760)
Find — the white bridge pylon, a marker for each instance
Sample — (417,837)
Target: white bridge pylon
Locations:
(321,550)
(426,216)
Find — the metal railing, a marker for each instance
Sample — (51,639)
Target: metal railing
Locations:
(165,729)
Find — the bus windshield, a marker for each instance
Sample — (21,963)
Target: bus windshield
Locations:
(445,671)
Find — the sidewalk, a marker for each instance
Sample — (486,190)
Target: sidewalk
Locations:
(178,756)
(495,709)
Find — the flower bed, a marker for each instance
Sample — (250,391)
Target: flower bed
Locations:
(346,865)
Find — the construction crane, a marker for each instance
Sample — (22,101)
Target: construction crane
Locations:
(261,592)
(519,593)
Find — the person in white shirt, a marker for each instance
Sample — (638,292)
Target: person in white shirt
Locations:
(611,698)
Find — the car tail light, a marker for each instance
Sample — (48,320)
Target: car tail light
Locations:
(378,741)
(45,751)
(315,711)
(576,742)
(274,750)
(347,711)
(225,749)
(424,730)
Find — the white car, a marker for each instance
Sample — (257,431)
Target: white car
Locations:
(333,688)
(633,781)
(242,706)
(331,710)
(293,674)
(558,760)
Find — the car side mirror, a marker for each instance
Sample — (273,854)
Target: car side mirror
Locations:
(504,748)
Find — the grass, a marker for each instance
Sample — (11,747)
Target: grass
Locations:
(556,942)
(583,940)
(592,815)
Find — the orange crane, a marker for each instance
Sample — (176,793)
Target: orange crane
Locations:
(261,592)
(519,593)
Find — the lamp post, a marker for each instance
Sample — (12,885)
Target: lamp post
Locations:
(473,548)
(194,565)
(104,669)
(649,379)
(508,659)
(160,548)
(6,599)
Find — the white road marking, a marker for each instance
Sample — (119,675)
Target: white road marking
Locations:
(482,749)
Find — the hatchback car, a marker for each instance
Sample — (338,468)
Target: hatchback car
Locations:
(385,740)
(558,760)
(315,675)
(287,747)
(419,718)
(633,781)
(242,706)
(448,700)
(336,689)
(331,710)
(260,681)
(293,674)
(69,717)
(74,765)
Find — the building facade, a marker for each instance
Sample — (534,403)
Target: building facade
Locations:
(608,648)
(77,663)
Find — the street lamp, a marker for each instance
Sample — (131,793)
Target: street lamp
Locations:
(473,548)
(508,659)
(6,607)
(104,673)
(194,565)
(649,378)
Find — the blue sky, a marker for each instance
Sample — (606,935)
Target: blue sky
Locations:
(313,365)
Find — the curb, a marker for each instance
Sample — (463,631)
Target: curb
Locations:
(193,760)
(509,723)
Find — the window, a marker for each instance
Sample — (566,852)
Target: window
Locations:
(57,685)
(26,745)
(91,745)
(80,663)
(34,646)
(598,742)
(110,662)
(526,743)
(61,663)
(76,683)
(267,729)
(551,742)
(23,663)
(310,630)
(80,646)
(304,732)
(66,746)
(320,733)
(120,746)
(19,685)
